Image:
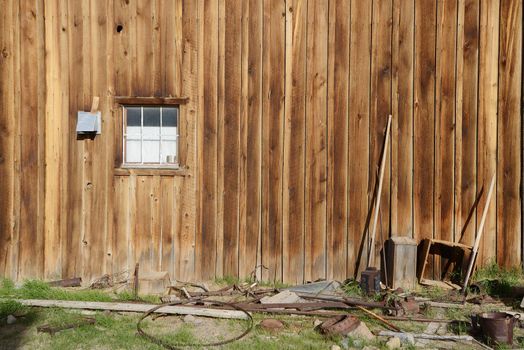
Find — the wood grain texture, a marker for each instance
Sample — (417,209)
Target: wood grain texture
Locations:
(381,80)
(273,86)
(338,109)
(402,121)
(424,121)
(294,143)
(359,99)
(466,120)
(444,204)
(487,122)
(509,135)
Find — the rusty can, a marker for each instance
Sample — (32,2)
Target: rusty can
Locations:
(497,327)
(370,280)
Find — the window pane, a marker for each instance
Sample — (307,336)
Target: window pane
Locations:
(133,116)
(151,151)
(152,116)
(169,131)
(169,117)
(132,151)
(169,149)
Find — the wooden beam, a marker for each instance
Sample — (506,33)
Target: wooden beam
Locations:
(132,307)
(150,101)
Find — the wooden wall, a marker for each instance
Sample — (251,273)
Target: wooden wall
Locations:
(281,137)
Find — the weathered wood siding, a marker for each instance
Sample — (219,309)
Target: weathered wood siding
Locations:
(281,137)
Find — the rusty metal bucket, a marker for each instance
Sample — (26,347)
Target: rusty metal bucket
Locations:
(497,327)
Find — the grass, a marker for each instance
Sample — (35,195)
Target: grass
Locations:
(497,280)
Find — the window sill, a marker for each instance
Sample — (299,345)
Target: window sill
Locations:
(151,171)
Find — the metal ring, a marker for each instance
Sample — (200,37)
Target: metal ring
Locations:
(170,346)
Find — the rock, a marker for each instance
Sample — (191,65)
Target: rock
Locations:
(362,331)
(11,319)
(432,328)
(335,347)
(282,298)
(270,324)
(316,287)
(407,339)
(393,343)
(192,319)
(316,323)
(370,347)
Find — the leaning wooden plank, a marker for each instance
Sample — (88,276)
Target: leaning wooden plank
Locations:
(427,336)
(128,307)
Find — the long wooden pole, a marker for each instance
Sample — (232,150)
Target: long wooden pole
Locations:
(474,252)
(371,255)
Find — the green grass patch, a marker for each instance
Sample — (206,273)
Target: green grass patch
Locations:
(34,289)
(497,280)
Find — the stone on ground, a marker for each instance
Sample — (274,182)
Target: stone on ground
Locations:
(335,347)
(270,324)
(283,297)
(362,331)
(393,343)
(11,319)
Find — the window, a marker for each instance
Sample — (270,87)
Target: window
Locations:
(150,136)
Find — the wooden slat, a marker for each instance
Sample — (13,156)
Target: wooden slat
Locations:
(153,101)
(445,122)
(231,140)
(168,212)
(251,134)
(316,131)
(144,85)
(466,120)
(402,121)
(142,229)
(359,94)
(156,223)
(273,86)
(121,223)
(509,235)
(125,17)
(31,239)
(206,231)
(380,111)
(424,121)
(487,121)
(338,87)
(294,143)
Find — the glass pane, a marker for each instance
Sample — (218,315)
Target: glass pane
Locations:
(169,153)
(170,117)
(152,116)
(151,151)
(133,116)
(132,151)
(169,131)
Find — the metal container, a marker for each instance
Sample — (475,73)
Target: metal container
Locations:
(497,327)
(370,280)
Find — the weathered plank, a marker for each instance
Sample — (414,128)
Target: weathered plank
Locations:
(273,86)
(359,94)
(294,144)
(509,235)
(338,88)
(466,120)
(251,137)
(424,121)
(487,121)
(445,121)
(206,232)
(402,121)
(380,110)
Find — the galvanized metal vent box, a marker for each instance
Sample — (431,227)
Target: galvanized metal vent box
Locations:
(89,123)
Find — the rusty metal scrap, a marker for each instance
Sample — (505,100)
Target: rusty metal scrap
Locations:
(52,330)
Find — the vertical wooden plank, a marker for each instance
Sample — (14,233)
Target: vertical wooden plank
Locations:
(54,130)
(121,223)
(144,85)
(316,134)
(445,120)
(206,233)
(273,81)
(487,121)
(359,94)
(7,126)
(31,239)
(402,121)
(466,120)
(249,228)
(124,27)
(156,223)
(143,234)
(231,149)
(424,121)
(509,135)
(191,17)
(338,87)
(168,212)
(294,143)
(380,110)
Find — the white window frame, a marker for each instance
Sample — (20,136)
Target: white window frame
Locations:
(150,165)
